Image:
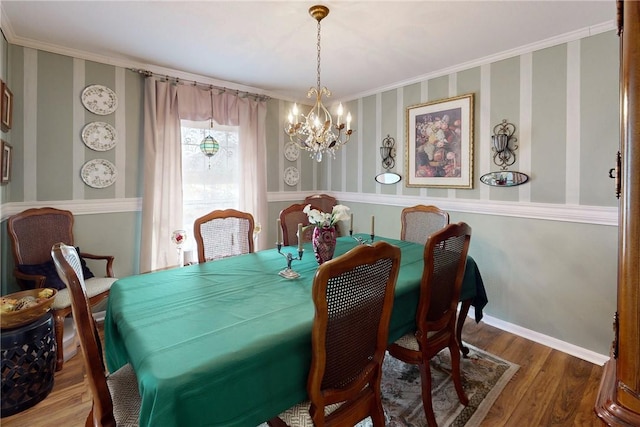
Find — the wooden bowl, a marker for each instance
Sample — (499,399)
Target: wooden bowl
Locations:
(17,318)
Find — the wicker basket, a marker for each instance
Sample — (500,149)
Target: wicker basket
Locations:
(15,319)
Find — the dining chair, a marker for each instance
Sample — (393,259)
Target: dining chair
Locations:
(290,217)
(419,221)
(32,233)
(325,203)
(445,256)
(116,400)
(353,298)
(223,233)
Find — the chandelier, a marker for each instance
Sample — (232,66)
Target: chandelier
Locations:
(316,131)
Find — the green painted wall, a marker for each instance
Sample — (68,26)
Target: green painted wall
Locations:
(547,275)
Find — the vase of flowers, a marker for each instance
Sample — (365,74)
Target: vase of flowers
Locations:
(323,239)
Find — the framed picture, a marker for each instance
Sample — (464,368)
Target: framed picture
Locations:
(5,163)
(6,112)
(440,143)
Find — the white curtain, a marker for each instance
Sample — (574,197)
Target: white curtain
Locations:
(164,106)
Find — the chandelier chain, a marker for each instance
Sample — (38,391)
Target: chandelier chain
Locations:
(318,67)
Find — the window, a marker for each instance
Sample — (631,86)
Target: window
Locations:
(208,183)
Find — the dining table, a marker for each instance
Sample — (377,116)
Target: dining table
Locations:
(228,342)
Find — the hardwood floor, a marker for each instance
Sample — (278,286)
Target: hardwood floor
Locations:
(551,388)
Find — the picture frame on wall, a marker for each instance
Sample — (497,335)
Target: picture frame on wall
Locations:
(5,163)
(6,109)
(440,143)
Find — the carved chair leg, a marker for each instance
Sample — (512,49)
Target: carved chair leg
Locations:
(59,325)
(455,371)
(89,422)
(462,316)
(377,412)
(425,374)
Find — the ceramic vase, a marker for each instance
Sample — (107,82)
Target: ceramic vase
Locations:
(324,243)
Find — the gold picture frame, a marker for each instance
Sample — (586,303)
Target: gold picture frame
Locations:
(5,163)
(6,109)
(440,143)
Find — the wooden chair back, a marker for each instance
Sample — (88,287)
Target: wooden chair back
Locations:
(420,221)
(32,234)
(223,233)
(445,257)
(290,217)
(353,297)
(68,265)
(324,203)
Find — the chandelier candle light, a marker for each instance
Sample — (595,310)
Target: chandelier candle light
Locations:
(316,131)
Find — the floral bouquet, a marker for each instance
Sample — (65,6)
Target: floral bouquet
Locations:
(325,219)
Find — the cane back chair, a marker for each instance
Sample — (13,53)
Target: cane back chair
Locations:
(290,217)
(420,221)
(223,233)
(33,232)
(353,297)
(116,400)
(445,256)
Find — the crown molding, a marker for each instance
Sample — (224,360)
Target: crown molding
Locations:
(531,47)
(120,62)
(12,38)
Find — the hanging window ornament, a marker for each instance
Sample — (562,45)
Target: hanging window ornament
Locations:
(209,146)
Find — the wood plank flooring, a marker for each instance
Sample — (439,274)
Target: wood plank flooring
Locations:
(551,388)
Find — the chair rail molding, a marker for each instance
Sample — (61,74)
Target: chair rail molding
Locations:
(597,215)
(77,207)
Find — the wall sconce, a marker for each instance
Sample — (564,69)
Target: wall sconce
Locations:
(388,154)
(504,155)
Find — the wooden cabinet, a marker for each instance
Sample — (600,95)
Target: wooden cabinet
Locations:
(618,402)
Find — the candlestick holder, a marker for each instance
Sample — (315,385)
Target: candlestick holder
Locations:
(289,273)
(360,240)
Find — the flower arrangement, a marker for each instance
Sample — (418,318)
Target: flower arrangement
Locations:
(325,219)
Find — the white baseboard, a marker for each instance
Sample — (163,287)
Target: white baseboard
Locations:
(565,347)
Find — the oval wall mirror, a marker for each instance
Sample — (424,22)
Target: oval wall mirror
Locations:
(504,178)
(388,178)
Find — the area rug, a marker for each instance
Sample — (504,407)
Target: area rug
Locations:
(484,377)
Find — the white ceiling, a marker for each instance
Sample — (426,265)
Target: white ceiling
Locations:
(270,46)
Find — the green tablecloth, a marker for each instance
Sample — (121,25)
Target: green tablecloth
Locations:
(228,342)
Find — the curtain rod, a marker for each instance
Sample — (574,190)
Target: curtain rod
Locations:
(147,73)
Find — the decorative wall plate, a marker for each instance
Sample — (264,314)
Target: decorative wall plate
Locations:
(99,136)
(99,173)
(291,151)
(291,176)
(99,99)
